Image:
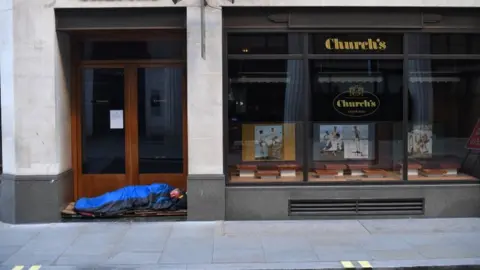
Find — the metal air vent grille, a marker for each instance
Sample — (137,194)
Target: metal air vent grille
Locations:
(356,207)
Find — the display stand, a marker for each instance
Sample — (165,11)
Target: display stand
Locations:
(323,173)
(433,172)
(246,170)
(450,168)
(288,170)
(267,174)
(375,173)
(339,168)
(357,169)
(412,168)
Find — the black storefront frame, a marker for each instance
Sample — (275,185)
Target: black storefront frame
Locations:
(306,56)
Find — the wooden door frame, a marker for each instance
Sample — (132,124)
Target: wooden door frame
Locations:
(131,132)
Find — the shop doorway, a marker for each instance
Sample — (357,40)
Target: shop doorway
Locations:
(129,119)
(132,126)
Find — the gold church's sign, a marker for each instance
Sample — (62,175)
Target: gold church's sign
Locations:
(356,102)
(355,45)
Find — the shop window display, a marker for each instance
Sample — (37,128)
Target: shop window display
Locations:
(387,113)
(265,106)
(356,114)
(444,98)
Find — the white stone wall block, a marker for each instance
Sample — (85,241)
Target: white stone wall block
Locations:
(30,131)
(205,110)
(122,3)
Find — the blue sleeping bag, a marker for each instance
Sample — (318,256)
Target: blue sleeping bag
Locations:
(150,197)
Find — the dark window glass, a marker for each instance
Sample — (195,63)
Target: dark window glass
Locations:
(444,106)
(356,113)
(125,50)
(160,120)
(373,43)
(422,43)
(265,43)
(265,107)
(103,125)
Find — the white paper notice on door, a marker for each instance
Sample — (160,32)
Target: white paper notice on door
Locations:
(116,119)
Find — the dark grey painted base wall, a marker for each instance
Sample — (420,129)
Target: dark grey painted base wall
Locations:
(271,203)
(34,199)
(39,199)
(206,197)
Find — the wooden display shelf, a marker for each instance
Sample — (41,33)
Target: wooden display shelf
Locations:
(389,176)
(236,179)
(324,173)
(267,174)
(392,176)
(245,170)
(432,173)
(375,173)
(450,167)
(458,177)
(335,166)
(338,167)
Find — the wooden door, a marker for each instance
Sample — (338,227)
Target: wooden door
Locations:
(159,141)
(130,123)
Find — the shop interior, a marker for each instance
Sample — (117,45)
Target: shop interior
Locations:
(332,119)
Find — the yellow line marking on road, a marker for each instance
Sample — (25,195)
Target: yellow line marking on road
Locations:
(347,264)
(35,267)
(365,264)
(18,267)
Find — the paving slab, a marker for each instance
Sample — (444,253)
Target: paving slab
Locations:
(309,244)
(239,255)
(437,225)
(134,258)
(81,260)
(306,228)
(7,251)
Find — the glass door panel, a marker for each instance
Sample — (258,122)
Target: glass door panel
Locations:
(102,124)
(160,120)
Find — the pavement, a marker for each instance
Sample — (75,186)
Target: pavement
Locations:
(229,245)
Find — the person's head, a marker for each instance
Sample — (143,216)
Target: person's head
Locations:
(179,199)
(176,193)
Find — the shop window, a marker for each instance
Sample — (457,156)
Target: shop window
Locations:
(444,106)
(128,50)
(265,108)
(356,120)
(265,43)
(373,43)
(424,43)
